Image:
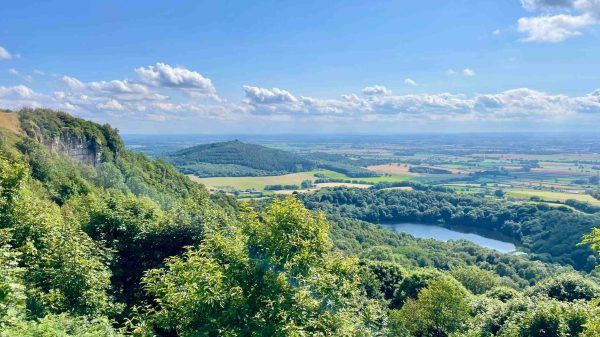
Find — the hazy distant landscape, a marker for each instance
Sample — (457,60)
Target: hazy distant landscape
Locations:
(195,168)
(557,168)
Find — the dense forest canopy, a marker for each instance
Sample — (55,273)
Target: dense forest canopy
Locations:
(235,158)
(548,233)
(132,247)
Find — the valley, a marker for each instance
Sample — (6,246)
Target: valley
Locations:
(386,222)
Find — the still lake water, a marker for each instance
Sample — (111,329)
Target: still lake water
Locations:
(445,234)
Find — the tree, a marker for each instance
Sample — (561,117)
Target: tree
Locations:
(567,287)
(476,280)
(274,274)
(440,310)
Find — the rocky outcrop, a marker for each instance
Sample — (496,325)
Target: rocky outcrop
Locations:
(78,148)
(87,152)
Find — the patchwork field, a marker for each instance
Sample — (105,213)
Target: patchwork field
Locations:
(254,183)
(551,196)
(259,183)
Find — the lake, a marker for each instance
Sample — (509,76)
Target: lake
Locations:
(445,234)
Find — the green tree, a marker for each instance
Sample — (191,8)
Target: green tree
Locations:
(476,280)
(274,274)
(567,287)
(440,310)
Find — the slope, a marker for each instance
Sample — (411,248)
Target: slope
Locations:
(235,158)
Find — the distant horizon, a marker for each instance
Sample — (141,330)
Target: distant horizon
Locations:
(307,67)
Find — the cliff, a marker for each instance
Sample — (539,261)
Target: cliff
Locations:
(85,142)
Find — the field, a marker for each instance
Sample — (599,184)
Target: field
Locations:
(554,169)
(259,183)
(10,121)
(551,196)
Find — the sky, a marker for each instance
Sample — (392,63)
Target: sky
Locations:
(307,66)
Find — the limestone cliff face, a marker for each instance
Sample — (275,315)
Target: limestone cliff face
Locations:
(80,149)
(87,152)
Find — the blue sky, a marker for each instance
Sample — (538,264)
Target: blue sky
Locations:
(306,66)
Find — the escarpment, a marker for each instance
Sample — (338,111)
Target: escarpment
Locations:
(84,142)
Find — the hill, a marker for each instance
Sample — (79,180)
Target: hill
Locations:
(235,158)
(96,240)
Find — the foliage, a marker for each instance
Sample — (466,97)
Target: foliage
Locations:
(62,326)
(567,288)
(273,275)
(131,246)
(250,159)
(442,308)
(538,228)
(476,280)
(341,164)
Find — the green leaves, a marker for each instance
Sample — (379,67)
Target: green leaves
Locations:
(271,274)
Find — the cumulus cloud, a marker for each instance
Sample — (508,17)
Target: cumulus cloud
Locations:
(112,104)
(411,82)
(559,19)
(510,105)
(121,89)
(536,5)
(13,71)
(268,96)
(4,54)
(166,76)
(376,90)
(554,28)
(143,101)
(468,72)
(19,96)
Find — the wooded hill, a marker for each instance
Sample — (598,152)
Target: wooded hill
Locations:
(235,158)
(129,246)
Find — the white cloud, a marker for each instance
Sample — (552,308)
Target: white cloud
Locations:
(166,76)
(537,5)
(121,89)
(451,72)
(268,96)
(468,72)
(558,22)
(4,54)
(511,105)
(20,96)
(410,82)
(554,28)
(111,105)
(13,71)
(496,32)
(135,101)
(376,90)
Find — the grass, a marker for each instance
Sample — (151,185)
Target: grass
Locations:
(259,183)
(10,121)
(551,196)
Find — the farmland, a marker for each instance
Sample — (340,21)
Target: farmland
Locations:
(556,169)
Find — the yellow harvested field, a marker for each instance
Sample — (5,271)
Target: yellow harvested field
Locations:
(403,188)
(324,185)
(551,196)
(10,121)
(392,169)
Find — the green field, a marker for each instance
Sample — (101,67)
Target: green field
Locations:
(551,196)
(259,183)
